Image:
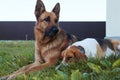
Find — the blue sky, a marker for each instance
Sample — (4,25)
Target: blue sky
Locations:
(71,10)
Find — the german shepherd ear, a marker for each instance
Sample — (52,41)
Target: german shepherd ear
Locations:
(39,8)
(56,9)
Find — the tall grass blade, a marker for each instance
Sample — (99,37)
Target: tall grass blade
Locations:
(76,75)
(94,67)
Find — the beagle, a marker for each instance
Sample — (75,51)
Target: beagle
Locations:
(90,47)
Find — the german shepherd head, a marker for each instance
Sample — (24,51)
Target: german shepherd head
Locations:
(47,22)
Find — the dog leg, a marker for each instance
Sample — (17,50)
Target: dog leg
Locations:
(100,53)
(38,67)
(21,70)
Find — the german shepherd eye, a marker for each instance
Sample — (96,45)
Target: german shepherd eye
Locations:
(56,20)
(47,19)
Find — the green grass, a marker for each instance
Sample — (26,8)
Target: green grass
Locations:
(15,54)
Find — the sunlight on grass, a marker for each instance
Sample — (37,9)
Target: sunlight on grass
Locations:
(15,54)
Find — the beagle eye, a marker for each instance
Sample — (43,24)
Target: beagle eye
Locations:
(69,58)
(47,19)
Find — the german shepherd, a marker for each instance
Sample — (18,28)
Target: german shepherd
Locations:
(50,40)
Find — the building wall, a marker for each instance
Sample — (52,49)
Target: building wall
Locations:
(70,10)
(113,18)
(22,30)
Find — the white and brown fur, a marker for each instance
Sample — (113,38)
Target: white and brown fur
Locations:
(97,48)
(50,40)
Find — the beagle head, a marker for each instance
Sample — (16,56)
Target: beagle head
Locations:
(71,53)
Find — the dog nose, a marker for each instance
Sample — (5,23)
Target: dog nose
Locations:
(52,31)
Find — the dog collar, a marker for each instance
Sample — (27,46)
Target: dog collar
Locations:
(81,49)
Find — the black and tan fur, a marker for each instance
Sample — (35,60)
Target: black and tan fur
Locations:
(50,40)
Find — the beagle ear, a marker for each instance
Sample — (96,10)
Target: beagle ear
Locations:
(39,8)
(79,55)
(62,54)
